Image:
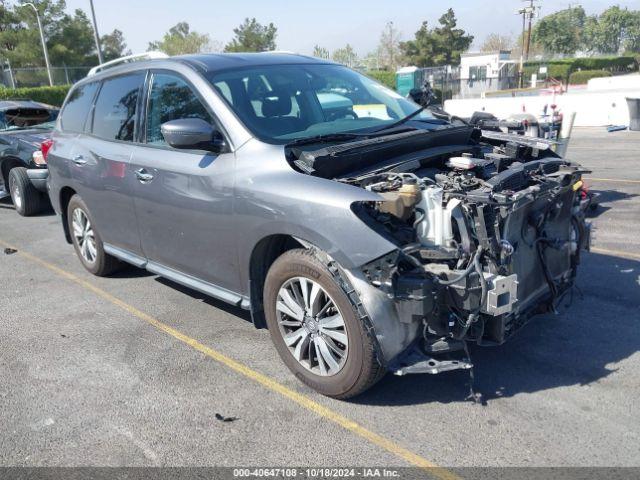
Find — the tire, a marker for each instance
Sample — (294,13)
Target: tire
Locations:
(26,198)
(359,368)
(96,260)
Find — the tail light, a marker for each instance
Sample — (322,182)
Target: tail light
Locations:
(45,147)
(40,156)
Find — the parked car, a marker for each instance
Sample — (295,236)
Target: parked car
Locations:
(24,126)
(376,239)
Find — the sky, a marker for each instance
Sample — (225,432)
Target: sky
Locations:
(329,23)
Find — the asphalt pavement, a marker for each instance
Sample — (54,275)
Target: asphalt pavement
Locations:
(134,370)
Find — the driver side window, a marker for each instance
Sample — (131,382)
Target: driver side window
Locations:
(171,98)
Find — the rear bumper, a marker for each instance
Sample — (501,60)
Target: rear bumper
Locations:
(38,178)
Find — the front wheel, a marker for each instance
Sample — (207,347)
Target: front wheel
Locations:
(87,241)
(316,328)
(26,198)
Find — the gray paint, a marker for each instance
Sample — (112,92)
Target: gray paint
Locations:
(200,217)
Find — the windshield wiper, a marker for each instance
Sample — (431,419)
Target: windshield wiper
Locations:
(329,137)
(400,122)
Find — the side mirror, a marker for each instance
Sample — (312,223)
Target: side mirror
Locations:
(193,134)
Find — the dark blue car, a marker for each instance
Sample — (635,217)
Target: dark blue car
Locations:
(24,126)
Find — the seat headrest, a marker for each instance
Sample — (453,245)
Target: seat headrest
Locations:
(276,104)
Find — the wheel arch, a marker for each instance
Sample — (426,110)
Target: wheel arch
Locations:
(65,196)
(264,253)
(6,164)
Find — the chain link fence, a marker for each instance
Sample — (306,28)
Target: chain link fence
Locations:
(37,76)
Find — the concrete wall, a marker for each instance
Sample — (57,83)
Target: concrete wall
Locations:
(623,82)
(593,109)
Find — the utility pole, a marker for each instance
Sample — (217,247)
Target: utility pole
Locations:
(528,12)
(44,44)
(96,35)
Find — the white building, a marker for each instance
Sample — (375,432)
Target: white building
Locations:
(485,72)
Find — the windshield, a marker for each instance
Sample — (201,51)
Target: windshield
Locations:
(282,103)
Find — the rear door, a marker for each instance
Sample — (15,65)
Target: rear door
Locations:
(184,198)
(72,124)
(101,161)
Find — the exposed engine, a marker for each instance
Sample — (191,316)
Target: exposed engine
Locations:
(481,250)
(488,233)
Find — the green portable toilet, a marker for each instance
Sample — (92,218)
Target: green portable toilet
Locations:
(407,78)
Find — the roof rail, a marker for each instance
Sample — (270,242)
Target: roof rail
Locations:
(129,58)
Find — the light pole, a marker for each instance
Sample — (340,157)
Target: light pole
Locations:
(95,33)
(44,44)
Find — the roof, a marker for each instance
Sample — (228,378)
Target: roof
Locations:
(211,62)
(484,54)
(11,104)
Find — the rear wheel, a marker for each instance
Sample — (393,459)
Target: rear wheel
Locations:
(316,328)
(87,241)
(26,198)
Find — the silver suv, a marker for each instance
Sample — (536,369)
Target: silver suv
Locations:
(367,234)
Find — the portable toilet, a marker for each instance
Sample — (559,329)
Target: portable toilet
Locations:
(408,78)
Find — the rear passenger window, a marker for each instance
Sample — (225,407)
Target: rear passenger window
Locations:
(114,116)
(171,98)
(77,108)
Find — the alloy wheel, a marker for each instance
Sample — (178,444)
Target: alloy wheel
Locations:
(312,326)
(84,235)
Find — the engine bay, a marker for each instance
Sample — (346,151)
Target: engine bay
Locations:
(488,227)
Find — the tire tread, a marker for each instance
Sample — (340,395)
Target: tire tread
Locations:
(32,198)
(372,369)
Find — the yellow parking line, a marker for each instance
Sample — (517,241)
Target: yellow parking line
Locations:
(616,253)
(614,180)
(302,400)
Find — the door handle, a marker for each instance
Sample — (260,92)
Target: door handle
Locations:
(79,160)
(143,175)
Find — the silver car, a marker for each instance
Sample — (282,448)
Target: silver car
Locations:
(367,234)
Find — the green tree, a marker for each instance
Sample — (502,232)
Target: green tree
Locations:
(69,37)
(19,35)
(614,30)
(180,40)
(441,45)
(72,43)
(114,46)
(347,56)
(560,32)
(632,41)
(320,52)
(252,36)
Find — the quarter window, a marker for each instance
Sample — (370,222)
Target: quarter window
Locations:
(171,98)
(77,107)
(114,116)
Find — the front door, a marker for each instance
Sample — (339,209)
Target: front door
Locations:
(184,199)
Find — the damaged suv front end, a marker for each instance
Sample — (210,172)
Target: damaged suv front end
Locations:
(437,233)
(488,229)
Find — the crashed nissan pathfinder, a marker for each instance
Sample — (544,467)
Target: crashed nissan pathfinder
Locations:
(365,233)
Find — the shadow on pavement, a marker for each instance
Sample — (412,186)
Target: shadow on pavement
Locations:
(6,204)
(577,347)
(605,198)
(219,304)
